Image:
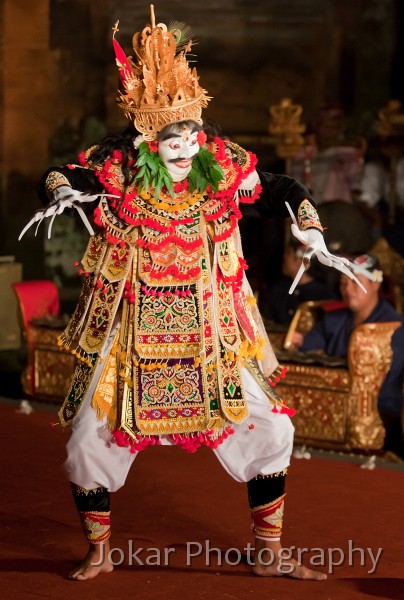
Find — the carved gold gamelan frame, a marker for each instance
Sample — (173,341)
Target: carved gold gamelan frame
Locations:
(337,407)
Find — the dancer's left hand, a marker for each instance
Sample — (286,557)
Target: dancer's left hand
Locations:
(314,240)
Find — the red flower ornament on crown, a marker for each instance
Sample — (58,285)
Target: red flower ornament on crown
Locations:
(201,137)
(159,87)
(153,146)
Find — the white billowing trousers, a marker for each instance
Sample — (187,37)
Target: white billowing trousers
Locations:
(94,461)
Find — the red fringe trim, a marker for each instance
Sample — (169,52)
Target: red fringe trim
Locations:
(167,240)
(150,222)
(253,198)
(236,211)
(285,410)
(82,159)
(282,375)
(97,216)
(219,213)
(227,233)
(190,443)
(112,239)
(123,440)
(173,270)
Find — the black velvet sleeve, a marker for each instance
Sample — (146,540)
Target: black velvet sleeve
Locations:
(80,179)
(276,190)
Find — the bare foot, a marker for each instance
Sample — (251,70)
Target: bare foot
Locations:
(95,562)
(270,564)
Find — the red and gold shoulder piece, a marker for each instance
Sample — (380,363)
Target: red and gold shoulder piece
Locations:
(84,156)
(245,160)
(109,171)
(236,162)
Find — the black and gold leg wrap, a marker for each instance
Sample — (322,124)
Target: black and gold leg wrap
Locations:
(266,495)
(94,510)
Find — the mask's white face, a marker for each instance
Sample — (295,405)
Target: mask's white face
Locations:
(177,152)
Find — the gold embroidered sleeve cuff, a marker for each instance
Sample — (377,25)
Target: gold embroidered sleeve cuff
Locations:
(307,217)
(54,180)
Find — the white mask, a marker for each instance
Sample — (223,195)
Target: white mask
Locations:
(177,152)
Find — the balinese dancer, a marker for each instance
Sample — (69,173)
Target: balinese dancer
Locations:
(170,345)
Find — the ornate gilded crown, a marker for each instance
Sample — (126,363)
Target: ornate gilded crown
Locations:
(159,87)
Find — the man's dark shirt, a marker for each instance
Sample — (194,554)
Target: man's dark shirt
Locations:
(332,335)
(282,305)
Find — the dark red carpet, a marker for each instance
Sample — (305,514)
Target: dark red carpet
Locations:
(173,499)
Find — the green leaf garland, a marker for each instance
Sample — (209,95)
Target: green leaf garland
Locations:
(152,173)
(205,171)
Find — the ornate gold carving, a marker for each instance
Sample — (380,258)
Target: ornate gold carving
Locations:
(285,125)
(369,359)
(45,337)
(392,264)
(317,377)
(320,396)
(391,120)
(335,407)
(53,369)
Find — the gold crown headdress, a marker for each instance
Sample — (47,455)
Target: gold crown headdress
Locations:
(159,87)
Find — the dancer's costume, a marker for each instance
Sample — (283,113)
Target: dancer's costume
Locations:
(170,345)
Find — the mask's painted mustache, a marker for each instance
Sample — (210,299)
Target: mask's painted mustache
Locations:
(180,159)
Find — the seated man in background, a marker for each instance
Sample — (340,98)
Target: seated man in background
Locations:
(332,335)
(282,305)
